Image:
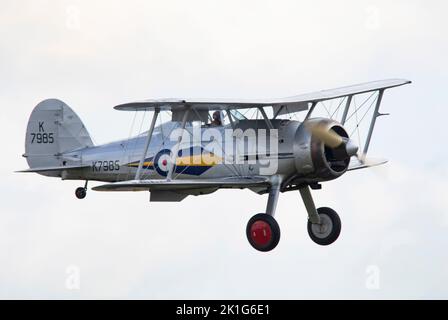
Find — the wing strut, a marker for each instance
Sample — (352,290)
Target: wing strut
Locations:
(177,146)
(376,114)
(313,105)
(229,115)
(347,107)
(148,141)
(265,117)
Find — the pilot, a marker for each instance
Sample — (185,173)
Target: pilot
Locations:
(216,119)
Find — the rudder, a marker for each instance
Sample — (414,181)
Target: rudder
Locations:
(53,128)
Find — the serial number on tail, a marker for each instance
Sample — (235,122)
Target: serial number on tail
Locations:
(42,138)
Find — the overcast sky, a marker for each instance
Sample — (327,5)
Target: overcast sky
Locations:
(96,54)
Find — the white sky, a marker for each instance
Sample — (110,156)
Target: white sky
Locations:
(94,55)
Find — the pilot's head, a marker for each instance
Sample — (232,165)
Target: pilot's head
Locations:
(217,116)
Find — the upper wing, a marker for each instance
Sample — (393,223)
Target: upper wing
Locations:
(207,104)
(349,90)
(294,104)
(183,184)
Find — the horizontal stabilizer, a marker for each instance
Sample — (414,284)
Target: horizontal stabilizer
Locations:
(61,168)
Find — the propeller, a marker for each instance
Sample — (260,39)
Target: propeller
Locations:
(330,138)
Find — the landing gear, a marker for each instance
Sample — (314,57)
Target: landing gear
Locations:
(263,232)
(81,192)
(324,224)
(329,228)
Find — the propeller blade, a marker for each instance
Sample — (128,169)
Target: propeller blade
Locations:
(327,136)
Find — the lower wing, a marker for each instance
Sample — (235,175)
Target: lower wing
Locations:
(183,184)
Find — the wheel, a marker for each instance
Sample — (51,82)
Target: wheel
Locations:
(263,232)
(328,231)
(81,193)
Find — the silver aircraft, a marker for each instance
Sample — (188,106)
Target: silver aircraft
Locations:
(209,145)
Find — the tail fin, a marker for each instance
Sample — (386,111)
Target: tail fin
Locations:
(53,128)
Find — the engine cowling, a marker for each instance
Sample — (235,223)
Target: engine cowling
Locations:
(314,160)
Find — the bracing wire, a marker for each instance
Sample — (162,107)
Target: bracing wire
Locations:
(125,145)
(326,109)
(356,109)
(365,113)
(357,122)
(337,109)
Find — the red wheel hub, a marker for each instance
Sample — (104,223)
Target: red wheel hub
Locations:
(261,233)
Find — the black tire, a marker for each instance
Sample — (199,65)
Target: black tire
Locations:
(269,226)
(80,193)
(329,219)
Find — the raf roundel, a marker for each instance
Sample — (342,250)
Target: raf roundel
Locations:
(162,161)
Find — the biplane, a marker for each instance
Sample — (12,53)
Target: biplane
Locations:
(268,146)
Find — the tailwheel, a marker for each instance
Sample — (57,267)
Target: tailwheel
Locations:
(329,228)
(81,192)
(263,232)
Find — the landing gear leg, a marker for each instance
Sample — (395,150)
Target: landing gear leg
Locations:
(307,198)
(274,193)
(324,224)
(81,192)
(263,231)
